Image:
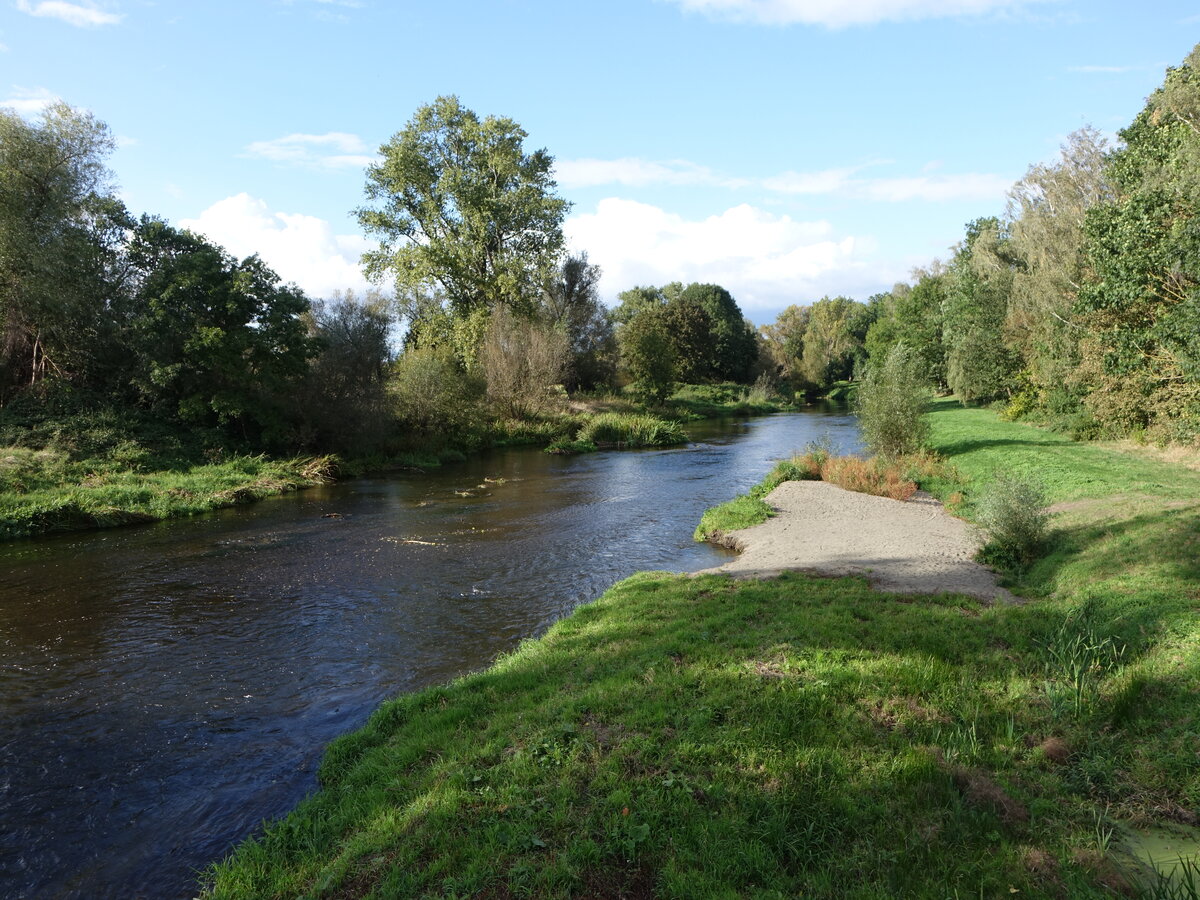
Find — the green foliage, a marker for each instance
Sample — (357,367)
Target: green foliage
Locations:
(432,395)
(891,402)
(60,228)
(833,340)
(215,340)
(72,461)
(979,365)
(648,355)
(1047,209)
(342,400)
(1141,355)
(571,300)
(732,349)
(1013,512)
(466,218)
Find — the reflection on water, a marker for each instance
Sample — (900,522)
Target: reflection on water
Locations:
(165,688)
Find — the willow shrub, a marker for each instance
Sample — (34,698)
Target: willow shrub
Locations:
(891,404)
(1013,512)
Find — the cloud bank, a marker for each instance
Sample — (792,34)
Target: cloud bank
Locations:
(81,15)
(333,150)
(766,261)
(844,13)
(303,249)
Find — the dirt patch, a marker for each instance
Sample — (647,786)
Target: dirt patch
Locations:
(905,547)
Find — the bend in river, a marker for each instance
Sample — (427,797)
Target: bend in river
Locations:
(166,688)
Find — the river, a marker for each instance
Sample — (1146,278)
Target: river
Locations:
(165,688)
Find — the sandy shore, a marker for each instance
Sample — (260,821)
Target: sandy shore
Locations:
(910,547)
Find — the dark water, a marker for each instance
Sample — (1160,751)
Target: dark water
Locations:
(165,688)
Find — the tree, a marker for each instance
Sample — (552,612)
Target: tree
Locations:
(522,360)
(783,340)
(1047,209)
(733,347)
(979,364)
(690,332)
(830,344)
(60,232)
(1141,308)
(648,354)
(216,340)
(570,296)
(344,398)
(465,217)
(892,401)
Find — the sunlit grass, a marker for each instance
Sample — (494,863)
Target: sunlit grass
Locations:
(700,736)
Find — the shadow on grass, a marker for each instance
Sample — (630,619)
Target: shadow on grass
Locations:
(730,737)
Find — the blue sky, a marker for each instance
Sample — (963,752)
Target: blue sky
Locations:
(786,149)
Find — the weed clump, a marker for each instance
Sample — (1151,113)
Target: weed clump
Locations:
(630,430)
(1013,512)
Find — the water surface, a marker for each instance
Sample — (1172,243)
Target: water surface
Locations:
(166,688)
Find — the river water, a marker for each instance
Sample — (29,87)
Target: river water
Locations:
(165,688)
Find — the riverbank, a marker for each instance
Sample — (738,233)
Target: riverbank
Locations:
(106,468)
(703,736)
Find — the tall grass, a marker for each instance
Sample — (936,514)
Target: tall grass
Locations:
(616,429)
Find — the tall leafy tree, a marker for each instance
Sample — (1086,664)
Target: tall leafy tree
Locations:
(466,218)
(783,340)
(979,364)
(831,341)
(1141,356)
(648,354)
(1047,209)
(733,348)
(217,340)
(61,230)
(571,297)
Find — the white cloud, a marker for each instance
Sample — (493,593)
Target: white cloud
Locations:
(844,13)
(765,261)
(333,150)
(300,248)
(81,15)
(829,181)
(633,172)
(933,186)
(29,101)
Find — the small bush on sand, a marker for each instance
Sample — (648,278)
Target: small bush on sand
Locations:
(891,404)
(1013,512)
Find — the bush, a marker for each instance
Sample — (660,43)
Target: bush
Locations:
(1013,512)
(891,404)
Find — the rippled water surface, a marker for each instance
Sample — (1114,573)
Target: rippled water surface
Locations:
(165,688)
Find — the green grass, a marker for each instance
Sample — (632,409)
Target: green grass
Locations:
(614,429)
(750,508)
(712,401)
(45,491)
(705,737)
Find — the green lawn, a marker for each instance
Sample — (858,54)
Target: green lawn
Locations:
(704,737)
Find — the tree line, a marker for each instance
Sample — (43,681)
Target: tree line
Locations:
(499,321)
(1079,307)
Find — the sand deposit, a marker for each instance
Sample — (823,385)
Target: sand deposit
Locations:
(906,547)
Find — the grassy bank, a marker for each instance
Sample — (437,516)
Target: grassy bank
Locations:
(75,463)
(699,737)
(72,470)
